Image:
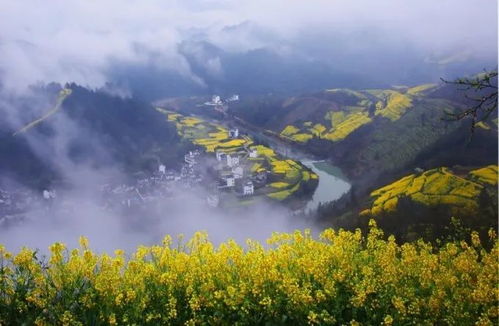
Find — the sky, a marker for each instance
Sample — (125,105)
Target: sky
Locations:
(80,40)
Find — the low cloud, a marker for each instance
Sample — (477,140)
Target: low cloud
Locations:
(80,40)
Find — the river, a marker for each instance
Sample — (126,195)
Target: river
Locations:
(332,182)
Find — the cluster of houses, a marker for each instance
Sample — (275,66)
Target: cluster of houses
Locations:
(232,172)
(216,100)
(15,203)
(157,186)
(222,105)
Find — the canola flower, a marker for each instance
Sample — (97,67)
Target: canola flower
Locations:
(339,278)
(434,187)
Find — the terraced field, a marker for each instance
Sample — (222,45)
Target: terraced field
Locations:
(286,177)
(356,108)
(435,187)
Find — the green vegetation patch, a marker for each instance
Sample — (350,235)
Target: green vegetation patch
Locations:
(289,131)
(279,185)
(63,94)
(417,90)
(318,129)
(302,137)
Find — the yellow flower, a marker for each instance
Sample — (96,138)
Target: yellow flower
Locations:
(388,320)
(83,242)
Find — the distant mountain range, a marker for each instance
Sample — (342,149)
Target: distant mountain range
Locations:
(273,70)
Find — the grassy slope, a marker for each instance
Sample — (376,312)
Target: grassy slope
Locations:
(342,111)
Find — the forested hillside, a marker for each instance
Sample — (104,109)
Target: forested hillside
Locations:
(375,135)
(83,127)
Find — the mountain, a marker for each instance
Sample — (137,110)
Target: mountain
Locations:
(275,67)
(82,128)
(376,135)
(424,203)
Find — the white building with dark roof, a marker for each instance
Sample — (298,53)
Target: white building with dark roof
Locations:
(232,160)
(233,132)
(230,181)
(238,172)
(253,153)
(248,188)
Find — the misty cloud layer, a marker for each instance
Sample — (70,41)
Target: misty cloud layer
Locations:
(78,208)
(108,230)
(87,42)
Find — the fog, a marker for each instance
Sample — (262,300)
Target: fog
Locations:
(108,230)
(90,42)
(79,209)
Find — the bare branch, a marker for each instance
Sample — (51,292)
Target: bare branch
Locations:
(484,104)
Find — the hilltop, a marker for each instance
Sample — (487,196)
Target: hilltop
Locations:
(436,187)
(425,203)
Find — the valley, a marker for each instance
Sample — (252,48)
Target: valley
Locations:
(320,155)
(374,137)
(251,171)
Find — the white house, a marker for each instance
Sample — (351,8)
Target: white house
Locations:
(49,194)
(253,153)
(216,100)
(220,155)
(233,98)
(191,157)
(233,133)
(238,172)
(162,169)
(248,188)
(232,160)
(231,181)
(46,194)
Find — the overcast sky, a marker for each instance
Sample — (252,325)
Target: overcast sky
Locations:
(77,40)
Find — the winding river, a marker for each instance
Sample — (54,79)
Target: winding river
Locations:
(332,182)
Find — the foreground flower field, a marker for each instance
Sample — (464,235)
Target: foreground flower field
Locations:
(340,278)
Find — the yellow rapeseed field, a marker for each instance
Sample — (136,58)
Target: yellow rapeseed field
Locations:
(435,187)
(339,278)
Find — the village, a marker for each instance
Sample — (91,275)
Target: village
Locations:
(230,177)
(226,170)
